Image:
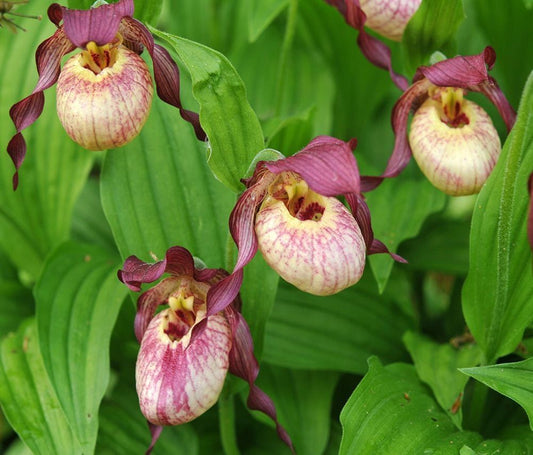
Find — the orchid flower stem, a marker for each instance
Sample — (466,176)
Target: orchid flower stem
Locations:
(226,418)
(290,28)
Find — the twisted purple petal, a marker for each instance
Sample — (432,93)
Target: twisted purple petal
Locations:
(244,365)
(373,49)
(166,72)
(25,112)
(99,24)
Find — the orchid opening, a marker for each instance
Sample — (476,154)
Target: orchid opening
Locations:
(104,93)
(186,351)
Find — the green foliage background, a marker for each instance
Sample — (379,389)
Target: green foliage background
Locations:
(370,370)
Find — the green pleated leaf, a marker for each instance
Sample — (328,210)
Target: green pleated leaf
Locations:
(145,10)
(16,302)
(261,14)
(123,429)
(28,399)
(498,292)
(158,192)
(391,412)
(303,403)
(442,246)
(335,333)
(523,445)
(258,293)
(35,218)
(399,208)
(514,380)
(437,365)
(78,297)
(89,224)
(432,28)
(234,132)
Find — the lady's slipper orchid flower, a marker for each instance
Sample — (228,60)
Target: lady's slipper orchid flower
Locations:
(290,213)
(185,352)
(104,92)
(388,18)
(452,139)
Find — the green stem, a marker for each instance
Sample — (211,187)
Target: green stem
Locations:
(290,29)
(226,418)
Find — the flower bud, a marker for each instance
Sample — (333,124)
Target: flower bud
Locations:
(104,96)
(310,240)
(454,142)
(389,17)
(179,379)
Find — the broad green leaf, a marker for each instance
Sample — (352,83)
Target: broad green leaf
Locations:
(503,26)
(16,301)
(432,28)
(437,365)
(123,429)
(498,292)
(158,192)
(258,293)
(146,11)
(514,380)
(441,246)
(261,14)
(399,207)
(234,132)
(391,412)
(78,297)
(35,218)
(335,333)
(303,402)
(89,224)
(519,446)
(18,448)
(28,399)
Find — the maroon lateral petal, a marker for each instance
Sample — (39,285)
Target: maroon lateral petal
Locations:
(95,24)
(401,153)
(134,272)
(327,165)
(373,49)
(493,92)
(166,72)
(223,293)
(149,301)
(25,112)
(530,214)
(244,365)
(55,13)
(155,431)
(461,71)
(361,214)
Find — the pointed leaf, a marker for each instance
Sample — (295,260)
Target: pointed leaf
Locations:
(28,399)
(391,412)
(437,365)
(78,298)
(232,127)
(514,380)
(498,292)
